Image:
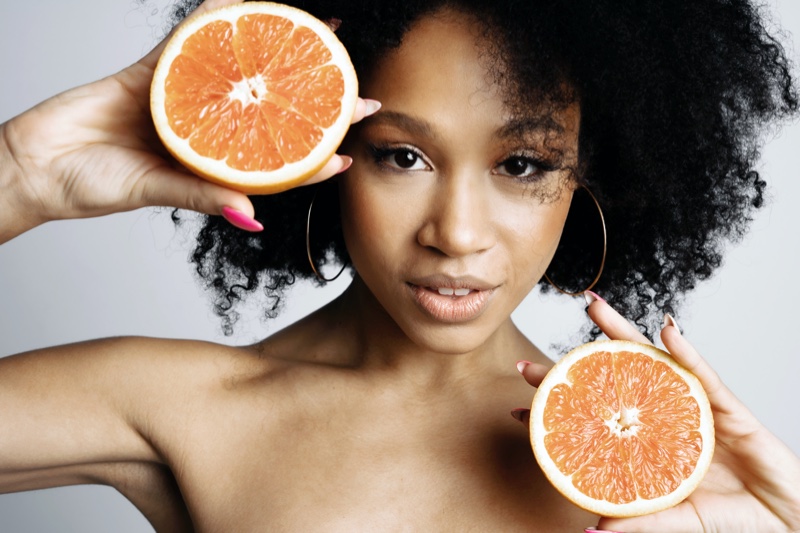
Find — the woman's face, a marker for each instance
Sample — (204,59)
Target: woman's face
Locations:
(453,207)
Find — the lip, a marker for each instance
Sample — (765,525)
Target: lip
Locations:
(454,282)
(451,309)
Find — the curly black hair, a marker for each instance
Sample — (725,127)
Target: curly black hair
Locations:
(675,96)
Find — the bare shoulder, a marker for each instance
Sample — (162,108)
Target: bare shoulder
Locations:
(146,384)
(172,376)
(107,402)
(194,362)
(146,360)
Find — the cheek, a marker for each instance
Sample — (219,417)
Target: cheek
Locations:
(373,223)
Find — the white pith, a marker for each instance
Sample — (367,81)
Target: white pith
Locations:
(248,91)
(625,422)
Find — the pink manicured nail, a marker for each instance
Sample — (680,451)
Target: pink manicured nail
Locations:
(240,220)
(518,413)
(521,365)
(372,106)
(347,162)
(670,321)
(590,297)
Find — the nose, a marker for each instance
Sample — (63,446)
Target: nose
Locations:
(458,221)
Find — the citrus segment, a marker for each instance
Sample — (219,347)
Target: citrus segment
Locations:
(621,429)
(256,96)
(256,39)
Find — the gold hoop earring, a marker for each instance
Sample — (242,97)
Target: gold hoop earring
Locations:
(602,261)
(308,247)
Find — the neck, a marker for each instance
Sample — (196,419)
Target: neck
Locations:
(370,340)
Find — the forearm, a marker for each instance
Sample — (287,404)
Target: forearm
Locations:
(17,208)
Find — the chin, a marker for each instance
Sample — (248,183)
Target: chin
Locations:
(449,339)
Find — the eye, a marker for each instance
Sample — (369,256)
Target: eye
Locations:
(404,159)
(520,167)
(399,158)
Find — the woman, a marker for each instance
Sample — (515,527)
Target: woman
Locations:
(380,410)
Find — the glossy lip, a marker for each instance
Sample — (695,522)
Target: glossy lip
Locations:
(451,309)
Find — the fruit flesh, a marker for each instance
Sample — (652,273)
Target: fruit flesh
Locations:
(625,427)
(256,95)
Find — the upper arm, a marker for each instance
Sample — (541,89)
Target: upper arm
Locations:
(89,403)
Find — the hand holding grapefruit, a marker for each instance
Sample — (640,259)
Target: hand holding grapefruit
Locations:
(93,151)
(753,481)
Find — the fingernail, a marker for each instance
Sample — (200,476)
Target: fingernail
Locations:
(518,413)
(240,220)
(372,106)
(593,530)
(346,162)
(333,23)
(591,297)
(521,365)
(670,321)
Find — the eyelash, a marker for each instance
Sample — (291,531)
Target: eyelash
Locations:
(381,153)
(541,166)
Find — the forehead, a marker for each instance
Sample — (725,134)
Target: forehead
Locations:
(447,69)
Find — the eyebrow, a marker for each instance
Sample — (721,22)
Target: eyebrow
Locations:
(521,126)
(411,124)
(516,127)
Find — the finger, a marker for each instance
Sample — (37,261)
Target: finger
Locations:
(333,23)
(151,59)
(338,164)
(533,373)
(679,519)
(335,165)
(614,325)
(522,414)
(364,108)
(168,187)
(772,469)
(722,400)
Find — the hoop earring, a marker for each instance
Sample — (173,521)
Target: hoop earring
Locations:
(308,247)
(602,261)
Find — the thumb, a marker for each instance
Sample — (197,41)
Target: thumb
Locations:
(681,518)
(169,187)
(533,373)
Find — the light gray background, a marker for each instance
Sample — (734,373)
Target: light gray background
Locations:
(128,273)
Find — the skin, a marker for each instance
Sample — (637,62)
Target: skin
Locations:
(369,414)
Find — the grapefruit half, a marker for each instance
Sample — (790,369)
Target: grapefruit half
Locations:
(255,96)
(621,429)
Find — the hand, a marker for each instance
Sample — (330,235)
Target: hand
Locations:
(753,483)
(93,151)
